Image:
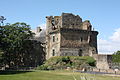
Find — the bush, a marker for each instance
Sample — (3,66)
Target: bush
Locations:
(116,57)
(42,67)
(62,62)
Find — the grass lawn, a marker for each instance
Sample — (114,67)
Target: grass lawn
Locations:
(51,75)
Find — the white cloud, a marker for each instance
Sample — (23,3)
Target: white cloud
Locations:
(110,46)
(107,47)
(43,26)
(38,34)
(116,36)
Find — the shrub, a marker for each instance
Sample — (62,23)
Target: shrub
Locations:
(62,62)
(42,67)
(116,57)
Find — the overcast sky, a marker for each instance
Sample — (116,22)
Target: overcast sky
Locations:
(104,16)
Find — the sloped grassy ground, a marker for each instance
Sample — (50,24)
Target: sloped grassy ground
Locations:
(50,75)
(62,62)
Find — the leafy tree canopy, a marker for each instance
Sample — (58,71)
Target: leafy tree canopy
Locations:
(116,57)
(13,38)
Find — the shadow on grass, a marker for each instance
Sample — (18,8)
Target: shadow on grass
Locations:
(8,72)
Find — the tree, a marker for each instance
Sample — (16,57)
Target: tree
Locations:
(13,41)
(116,57)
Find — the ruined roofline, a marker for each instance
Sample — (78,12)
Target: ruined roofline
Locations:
(72,30)
(62,15)
(69,14)
(105,54)
(67,20)
(77,30)
(53,16)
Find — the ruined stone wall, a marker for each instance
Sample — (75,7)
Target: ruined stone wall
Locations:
(102,62)
(86,25)
(83,51)
(78,39)
(93,40)
(53,45)
(57,21)
(48,24)
(70,52)
(75,37)
(71,21)
(67,20)
(53,23)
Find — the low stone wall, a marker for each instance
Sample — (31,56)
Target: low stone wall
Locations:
(102,65)
(111,71)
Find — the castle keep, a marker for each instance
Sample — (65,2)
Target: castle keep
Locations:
(68,35)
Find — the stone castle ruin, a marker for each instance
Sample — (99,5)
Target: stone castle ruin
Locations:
(68,35)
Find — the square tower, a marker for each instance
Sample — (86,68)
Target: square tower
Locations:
(68,35)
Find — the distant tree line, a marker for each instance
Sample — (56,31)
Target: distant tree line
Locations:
(17,49)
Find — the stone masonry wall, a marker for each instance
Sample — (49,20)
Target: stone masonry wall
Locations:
(73,36)
(74,39)
(79,39)
(53,48)
(69,52)
(71,21)
(102,62)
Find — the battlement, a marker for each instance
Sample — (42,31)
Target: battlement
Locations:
(67,20)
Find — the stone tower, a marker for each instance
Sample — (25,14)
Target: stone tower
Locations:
(68,35)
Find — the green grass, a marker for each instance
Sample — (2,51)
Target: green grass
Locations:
(50,75)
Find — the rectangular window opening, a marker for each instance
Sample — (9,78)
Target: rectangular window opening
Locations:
(53,38)
(81,39)
(53,52)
